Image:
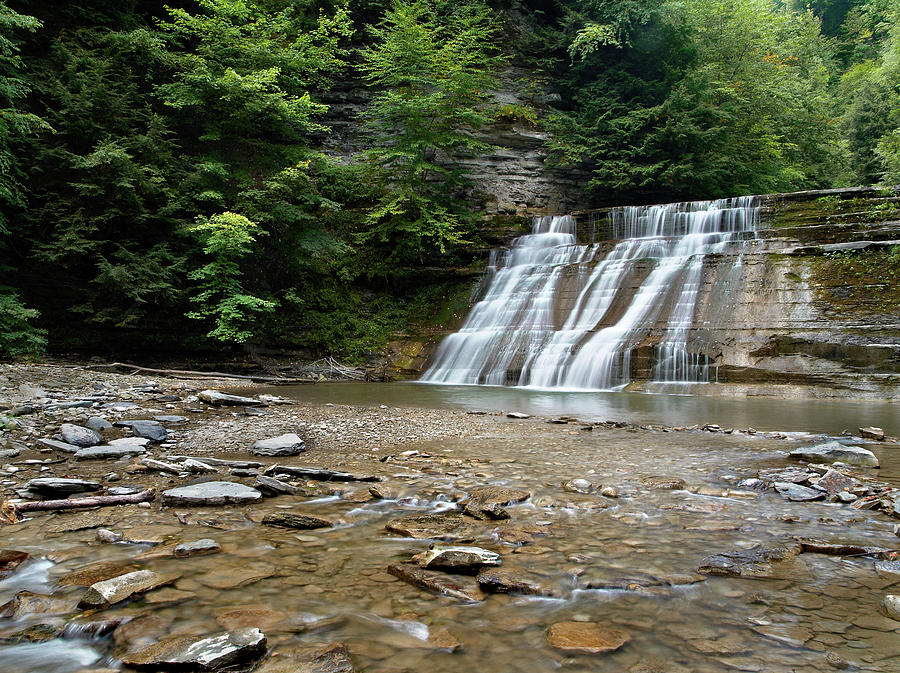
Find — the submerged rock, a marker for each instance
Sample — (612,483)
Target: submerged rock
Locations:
(487,502)
(211,493)
(509,581)
(585,637)
(449,526)
(757,562)
(582,486)
(111,591)
(462,588)
(11,559)
(79,435)
(197,548)
(96,572)
(664,483)
(331,658)
(283,445)
(835,451)
(211,653)
(26,603)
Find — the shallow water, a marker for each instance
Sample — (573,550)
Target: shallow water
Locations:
(830,416)
(331,585)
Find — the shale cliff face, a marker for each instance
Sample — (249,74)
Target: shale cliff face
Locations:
(811,306)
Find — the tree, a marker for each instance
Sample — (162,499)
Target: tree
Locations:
(433,62)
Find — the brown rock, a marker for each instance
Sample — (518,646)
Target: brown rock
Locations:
(10,560)
(260,618)
(462,588)
(96,572)
(27,603)
(298,521)
(663,483)
(511,581)
(487,502)
(211,653)
(331,658)
(448,526)
(585,637)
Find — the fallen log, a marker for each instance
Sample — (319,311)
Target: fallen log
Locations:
(188,374)
(10,512)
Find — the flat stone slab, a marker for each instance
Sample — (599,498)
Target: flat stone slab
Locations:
(65,447)
(331,658)
(98,423)
(241,464)
(757,562)
(216,398)
(129,441)
(111,591)
(271,486)
(585,637)
(211,493)
(10,559)
(197,548)
(96,572)
(318,474)
(461,588)
(298,521)
(166,418)
(449,526)
(508,581)
(872,433)
(798,493)
(79,435)
(62,485)
(108,451)
(835,451)
(211,653)
(283,445)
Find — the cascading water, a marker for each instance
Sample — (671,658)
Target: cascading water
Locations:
(557,314)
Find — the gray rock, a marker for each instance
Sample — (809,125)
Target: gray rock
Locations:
(61,486)
(835,451)
(104,452)
(212,653)
(518,414)
(170,419)
(578,486)
(125,490)
(318,474)
(211,493)
(198,467)
(130,441)
(888,569)
(97,423)
(243,464)
(284,445)
(59,446)
(797,493)
(835,483)
(120,406)
(152,430)
(609,492)
(464,559)
(271,486)
(897,529)
(872,433)
(8,453)
(252,411)
(161,466)
(108,592)
(24,410)
(79,404)
(216,398)
(197,548)
(756,562)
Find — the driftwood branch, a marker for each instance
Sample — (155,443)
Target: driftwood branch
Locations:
(188,374)
(11,511)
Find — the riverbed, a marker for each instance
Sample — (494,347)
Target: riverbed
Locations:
(627,560)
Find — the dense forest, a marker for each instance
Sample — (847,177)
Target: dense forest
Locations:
(171,175)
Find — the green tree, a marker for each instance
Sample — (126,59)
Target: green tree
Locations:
(432,62)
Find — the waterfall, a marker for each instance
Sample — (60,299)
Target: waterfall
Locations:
(556,314)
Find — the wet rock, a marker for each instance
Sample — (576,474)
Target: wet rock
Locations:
(318,474)
(198,467)
(789,634)
(727,645)
(111,591)
(462,588)
(834,482)
(168,597)
(57,445)
(272,487)
(448,526)
(755,562)
(11,559)
(211,493)
(578,486)
(487,502)
(27,603)
(609,492)
(283,445)
(663,483)
(835,451)
(892,606)
(872,433)
(161,466)
(260,618)
(152,430)
(797,493)
(240,464)
(109,451)
(461,559)
(96,572)
(888,569)
(585,637)
(39,633)
(232,577)
(511,581)
(841,549)
(212,653)
(383,492)
(518,414)
(197,548)
(331,658)
(79,435)
(298,521)
(835,660)
(98,423)
(216,398)
(166,418)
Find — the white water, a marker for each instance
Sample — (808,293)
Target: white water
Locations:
(561,315)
